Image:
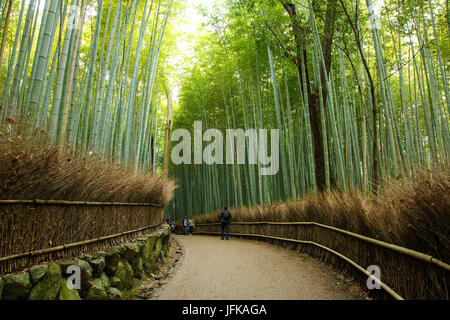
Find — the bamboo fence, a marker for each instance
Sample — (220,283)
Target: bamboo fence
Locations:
(33,231)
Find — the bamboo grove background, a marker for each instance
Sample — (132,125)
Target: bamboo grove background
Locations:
(87,72)
(384,104)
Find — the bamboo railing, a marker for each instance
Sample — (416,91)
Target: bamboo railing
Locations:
(75,244)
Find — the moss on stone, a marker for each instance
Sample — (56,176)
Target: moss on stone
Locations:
(2,283)
(68,294)
(96,291)
(131,250)
(16,286)
(158,247)
(97,263)
(138,267)
(38,272)
(48,287)
(105,280)
(112,258)
(125,273)
(114,294)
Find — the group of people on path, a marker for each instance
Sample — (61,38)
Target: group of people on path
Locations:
(188,225)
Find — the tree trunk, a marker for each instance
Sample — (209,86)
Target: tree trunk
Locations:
(152,152)
(168,131)
(313,97)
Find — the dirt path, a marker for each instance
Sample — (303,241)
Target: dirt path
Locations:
(242,269)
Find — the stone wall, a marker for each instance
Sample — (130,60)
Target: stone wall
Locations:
(104,275)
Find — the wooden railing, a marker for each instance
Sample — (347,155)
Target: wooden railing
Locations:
(32,231)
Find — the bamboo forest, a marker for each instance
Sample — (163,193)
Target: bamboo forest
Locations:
(359,91)
(114,114)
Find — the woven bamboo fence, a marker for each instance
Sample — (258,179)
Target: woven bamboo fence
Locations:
(33,231)
(405,273)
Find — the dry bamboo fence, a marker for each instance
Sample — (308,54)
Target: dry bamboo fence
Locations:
(405,273)
(32,231)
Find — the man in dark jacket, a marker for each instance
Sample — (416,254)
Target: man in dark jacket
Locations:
(184,224)
(225,218)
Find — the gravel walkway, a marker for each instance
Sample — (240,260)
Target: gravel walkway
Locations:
(238,269)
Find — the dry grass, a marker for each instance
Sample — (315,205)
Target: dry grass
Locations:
(413,214)
(33,168)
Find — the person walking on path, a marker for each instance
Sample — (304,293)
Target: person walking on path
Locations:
(184,224)
(191,225)
(225,218)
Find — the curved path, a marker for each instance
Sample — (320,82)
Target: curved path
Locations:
(245,270)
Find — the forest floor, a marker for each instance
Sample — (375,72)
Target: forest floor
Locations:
(238,269)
